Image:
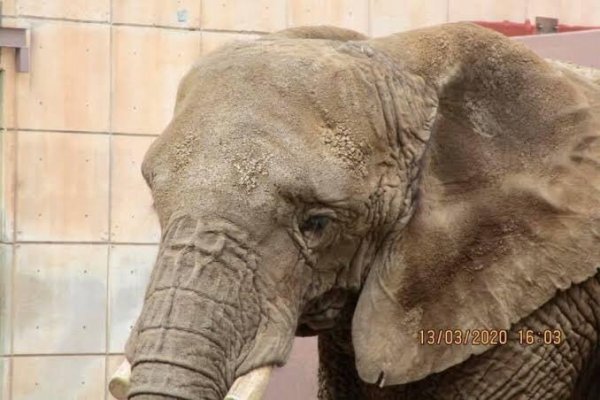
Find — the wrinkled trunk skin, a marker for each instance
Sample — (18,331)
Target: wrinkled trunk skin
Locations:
(200,316)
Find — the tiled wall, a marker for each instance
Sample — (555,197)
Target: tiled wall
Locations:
(77,231)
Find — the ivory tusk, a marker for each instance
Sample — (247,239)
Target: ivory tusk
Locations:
(119,382)
(251,386)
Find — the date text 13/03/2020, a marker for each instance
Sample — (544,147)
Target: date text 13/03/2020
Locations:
(486,337)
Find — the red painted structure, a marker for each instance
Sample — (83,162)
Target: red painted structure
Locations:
(510,28)
(527,28)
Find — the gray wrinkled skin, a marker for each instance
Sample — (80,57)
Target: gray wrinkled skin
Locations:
(509,371)
(319,182)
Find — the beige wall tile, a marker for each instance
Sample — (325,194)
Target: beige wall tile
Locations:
(587,12)
(574,12)
(243,15)
(62,190)
(180,13)
(8,152)
(5,367)
(97,10)
(351,14)
(297,380)
(213,40)
(14,22)
(59,377)
(545,8)
(6,259)
(113,362)
(67,314)
(69,84)
(391,16)
(133,218)
(487,10)
(129,272)
(148,64)
(9,7)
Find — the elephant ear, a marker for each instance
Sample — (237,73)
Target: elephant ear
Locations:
(508,209)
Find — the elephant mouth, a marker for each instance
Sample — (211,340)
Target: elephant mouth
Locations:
(322,313)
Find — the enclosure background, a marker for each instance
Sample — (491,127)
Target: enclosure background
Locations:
(77,230)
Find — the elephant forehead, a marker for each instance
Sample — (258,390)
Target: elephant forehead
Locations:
(284,64)
(229,170)
(314,88)
(247,165)
(254,118)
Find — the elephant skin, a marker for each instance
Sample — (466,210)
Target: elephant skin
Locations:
(374,191)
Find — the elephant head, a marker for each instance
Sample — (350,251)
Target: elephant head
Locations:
(448,177)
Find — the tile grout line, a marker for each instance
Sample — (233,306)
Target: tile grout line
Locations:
(369,20)
(9,362)
(83,354)
(134,25)
(104,243)
(110,163)
(67,131)
(5,364)
(201,10)
(15,229)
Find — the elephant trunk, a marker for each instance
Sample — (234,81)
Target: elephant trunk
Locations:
(201,322)
(250,386)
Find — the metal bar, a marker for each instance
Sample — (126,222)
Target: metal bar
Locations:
(13,37)
(22,56)
(542,25)
(509,28)
(546,25)
(16,38)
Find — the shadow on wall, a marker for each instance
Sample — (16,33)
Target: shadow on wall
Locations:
(298,379)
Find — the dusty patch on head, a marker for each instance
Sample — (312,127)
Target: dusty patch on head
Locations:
(249,169)
(184,150)
(343,146)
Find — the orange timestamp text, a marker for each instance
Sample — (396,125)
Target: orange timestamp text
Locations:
(487,337)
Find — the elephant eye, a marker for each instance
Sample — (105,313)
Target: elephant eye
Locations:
(315,224)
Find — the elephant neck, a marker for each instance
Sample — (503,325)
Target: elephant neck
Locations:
(338,377)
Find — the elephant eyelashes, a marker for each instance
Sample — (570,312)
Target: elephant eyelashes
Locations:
(318,230)
(315,231)
(314,224)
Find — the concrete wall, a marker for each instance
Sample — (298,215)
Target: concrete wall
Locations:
(78,234)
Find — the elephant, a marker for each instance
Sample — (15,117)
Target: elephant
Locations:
(426,203)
